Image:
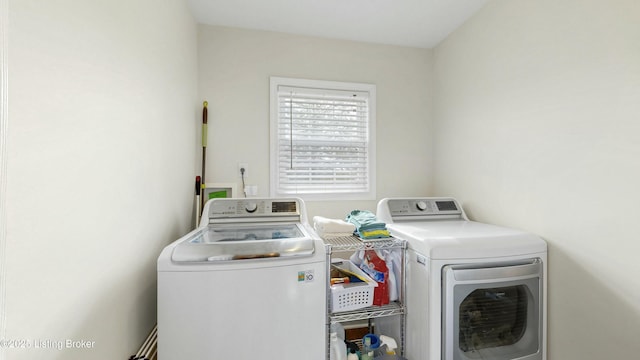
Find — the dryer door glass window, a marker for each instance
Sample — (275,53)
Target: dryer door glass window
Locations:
(492,317)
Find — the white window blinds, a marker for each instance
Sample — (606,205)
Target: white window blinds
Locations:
(323,141)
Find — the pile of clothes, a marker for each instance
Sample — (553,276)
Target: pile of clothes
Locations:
(367,225)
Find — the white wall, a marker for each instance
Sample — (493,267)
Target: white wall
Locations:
(4,116)
(234,69)
(537,123)
(102,154)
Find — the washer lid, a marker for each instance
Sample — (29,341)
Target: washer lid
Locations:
(223,243)
(462,239)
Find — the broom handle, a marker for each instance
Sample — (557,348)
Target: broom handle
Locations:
(198,189)
(205,115)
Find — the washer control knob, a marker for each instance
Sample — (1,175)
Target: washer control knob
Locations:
(421,205)
(251,207)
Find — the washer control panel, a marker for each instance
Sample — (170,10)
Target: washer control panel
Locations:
(253,207)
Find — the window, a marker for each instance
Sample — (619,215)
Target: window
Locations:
(322,139)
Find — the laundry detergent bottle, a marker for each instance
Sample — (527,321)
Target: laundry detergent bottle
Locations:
(338,349)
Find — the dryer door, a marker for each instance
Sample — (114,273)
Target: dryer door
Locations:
(492,312)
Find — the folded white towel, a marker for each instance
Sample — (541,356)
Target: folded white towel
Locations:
(323,225)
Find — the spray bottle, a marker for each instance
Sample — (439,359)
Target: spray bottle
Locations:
(390,342)
(352,354)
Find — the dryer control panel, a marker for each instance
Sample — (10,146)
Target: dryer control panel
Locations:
(395,209)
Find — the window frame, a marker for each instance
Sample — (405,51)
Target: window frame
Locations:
(275,82)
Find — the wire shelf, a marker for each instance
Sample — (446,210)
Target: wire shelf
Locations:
(368,312)
(349,242)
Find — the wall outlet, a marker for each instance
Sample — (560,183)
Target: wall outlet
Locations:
(244,166)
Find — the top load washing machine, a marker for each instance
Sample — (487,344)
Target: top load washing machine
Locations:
(474,290)
(249,283)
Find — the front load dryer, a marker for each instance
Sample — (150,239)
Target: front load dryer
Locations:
(474,290)
(249,283)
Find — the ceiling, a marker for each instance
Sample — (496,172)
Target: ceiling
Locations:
(415,23)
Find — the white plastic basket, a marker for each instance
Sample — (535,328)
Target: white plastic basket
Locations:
(352,296)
